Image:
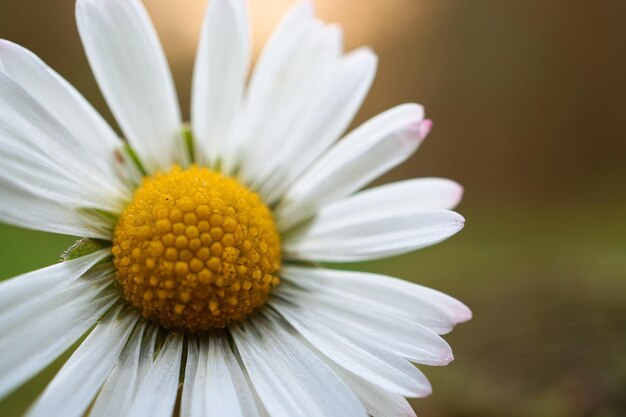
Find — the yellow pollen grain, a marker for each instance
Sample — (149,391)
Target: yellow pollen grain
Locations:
(196,250)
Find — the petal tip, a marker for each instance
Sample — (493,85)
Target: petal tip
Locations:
(458,222)
(456,194)
(426,126)
(425,391)
(366,53)
(464,314)
(459,189)
(307,7)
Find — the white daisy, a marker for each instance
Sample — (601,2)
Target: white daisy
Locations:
(199,263)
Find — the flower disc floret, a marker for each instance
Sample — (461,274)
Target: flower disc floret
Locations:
(196,250)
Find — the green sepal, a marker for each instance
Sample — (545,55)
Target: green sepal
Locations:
(83,247)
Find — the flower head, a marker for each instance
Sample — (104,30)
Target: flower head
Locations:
(201,244)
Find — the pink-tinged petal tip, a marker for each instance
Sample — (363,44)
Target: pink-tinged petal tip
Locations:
(460,190)
(459,221)
(425,126)
(456,194)
(463,314)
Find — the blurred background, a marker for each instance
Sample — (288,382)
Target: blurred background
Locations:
(528,102)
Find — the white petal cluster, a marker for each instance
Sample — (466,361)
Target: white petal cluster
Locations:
(329,342)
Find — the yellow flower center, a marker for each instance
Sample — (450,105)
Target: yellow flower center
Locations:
(196,250)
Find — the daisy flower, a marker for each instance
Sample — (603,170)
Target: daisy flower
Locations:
(198,283)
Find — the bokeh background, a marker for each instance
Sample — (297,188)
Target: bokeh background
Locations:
(528,100)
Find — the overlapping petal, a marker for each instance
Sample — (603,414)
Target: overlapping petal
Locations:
(120,388)
(77,383)
(355,352)
(330,112)
(129,64)
(289,378)
(44,312)
(377,401)
(386,295)
(364,235)
(64,103)
(330,343)
(219,79)
(215,383)
(30,136)
(156,395)
(363,155)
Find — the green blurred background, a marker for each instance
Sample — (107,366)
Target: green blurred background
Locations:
(528,100)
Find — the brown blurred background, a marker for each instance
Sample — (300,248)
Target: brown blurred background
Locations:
(528,100)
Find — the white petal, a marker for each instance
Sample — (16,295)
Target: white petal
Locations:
(227,391)
(31,211)
(14,317)
(157,393)
(219,78)
(395,199)
(371,234)
(398,335)
(193,398)
(147,353)
(120,387)
(357,354)
(130,67)
(366,153)
(416,194)
(77,383)
(37,285)
(215,385)
(379,403)
(299,86)
(290,380)
(281,44)
(43,335)
(327,119)
(425,306)
(62,100)
(423,314)
(39,155)
(277,85)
